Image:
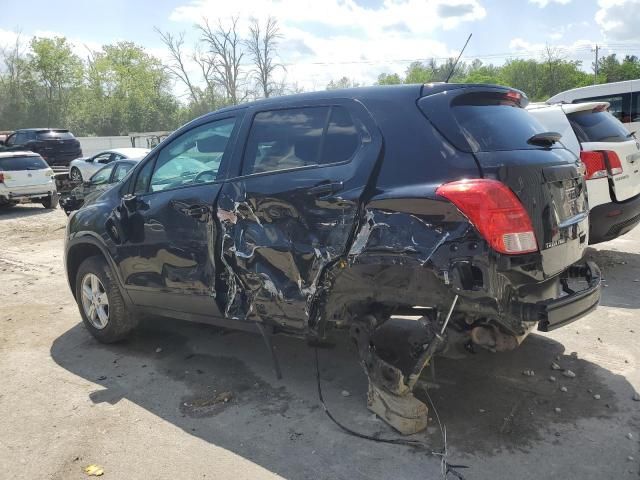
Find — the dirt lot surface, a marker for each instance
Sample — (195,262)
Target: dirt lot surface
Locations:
(153,407)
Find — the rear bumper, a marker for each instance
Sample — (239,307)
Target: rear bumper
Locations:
(556,313)
(27,193)
(613,219)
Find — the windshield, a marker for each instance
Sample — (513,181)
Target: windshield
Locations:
(591,126)
(12,164)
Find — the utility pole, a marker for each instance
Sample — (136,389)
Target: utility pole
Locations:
(595,78)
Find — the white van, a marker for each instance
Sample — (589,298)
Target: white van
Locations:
(623,99)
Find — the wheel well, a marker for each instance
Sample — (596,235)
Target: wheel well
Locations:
(76,255)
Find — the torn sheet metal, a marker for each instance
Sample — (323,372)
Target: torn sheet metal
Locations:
(274,254)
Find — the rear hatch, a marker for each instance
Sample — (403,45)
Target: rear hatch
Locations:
(615,149)
(24,171)
(491,123)
(58,147)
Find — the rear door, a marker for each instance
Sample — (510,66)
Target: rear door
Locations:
(600,131)
(293,206)
(491,124)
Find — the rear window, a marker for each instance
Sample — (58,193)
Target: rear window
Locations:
(591,126)
(491,122)
(55,135)
(485,121)
(22,163)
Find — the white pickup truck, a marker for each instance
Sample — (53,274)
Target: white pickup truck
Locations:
(26,177)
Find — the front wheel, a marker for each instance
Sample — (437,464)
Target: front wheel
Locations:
(75,175)
(101,305)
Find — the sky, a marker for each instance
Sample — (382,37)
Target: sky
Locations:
(328,39)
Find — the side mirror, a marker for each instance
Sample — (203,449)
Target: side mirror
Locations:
(130,202)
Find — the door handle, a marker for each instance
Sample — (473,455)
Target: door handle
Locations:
(194,211)
(197,211)
(325,189)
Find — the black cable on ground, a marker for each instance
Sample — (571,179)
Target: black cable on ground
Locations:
(447,467)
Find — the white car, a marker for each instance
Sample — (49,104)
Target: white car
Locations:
(82,169)
(612,159)
(26,177)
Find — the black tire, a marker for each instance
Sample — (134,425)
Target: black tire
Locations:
(78,175)
(8,204)
(50,202)
(120,321)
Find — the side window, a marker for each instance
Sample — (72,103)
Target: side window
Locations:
(299,137)
(144,175)
(103,158)
(342,138)
(11,140)
(20,138)
(102,176)
(192,158)
(121,172)
(635,107)
(282,139)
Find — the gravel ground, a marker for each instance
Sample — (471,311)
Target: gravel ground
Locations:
(153,407)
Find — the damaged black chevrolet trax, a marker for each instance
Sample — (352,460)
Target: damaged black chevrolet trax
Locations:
(445,205)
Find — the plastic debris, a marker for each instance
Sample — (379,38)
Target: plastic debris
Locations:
(94,470)
(552,378)
(596,397)
(569,373)
(158,350)
(630,436)
(529,373)
(555,366)
(345,393)
(563,389)
(558,410)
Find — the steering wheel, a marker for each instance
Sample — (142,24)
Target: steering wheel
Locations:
(202,176)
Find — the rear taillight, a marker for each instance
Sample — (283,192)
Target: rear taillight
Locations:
(594,161)
(495,211)
(613,163)
(1,177)
(601,163)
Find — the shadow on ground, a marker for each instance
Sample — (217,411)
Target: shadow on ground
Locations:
(621,271)
(21,211)
(184,372)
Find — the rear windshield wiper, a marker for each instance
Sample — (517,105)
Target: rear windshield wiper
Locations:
(545,139)
(632,134)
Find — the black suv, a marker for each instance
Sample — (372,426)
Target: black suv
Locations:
(57,146)
(338,211)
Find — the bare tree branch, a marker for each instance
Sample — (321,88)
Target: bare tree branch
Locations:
(177,66)
(262,47)
(225,56)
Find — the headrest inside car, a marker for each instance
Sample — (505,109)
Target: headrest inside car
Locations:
(214,143)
